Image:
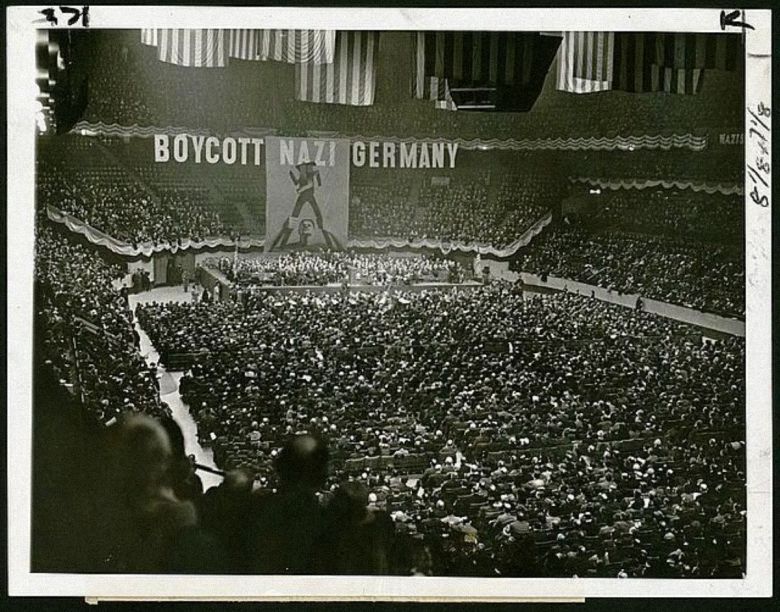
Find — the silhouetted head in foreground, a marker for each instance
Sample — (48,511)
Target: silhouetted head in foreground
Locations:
(144,453)
(175,435)
(303,462)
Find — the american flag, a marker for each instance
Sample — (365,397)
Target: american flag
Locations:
(697,50)
(149,36)
(437,89)
(636,68)
(202,48)
(297,46)
(290,46)
(349,79)
(243,44)
(585,62)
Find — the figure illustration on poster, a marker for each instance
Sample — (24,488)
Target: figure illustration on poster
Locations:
(305,178)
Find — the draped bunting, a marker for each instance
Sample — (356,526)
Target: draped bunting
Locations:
(674,141)
(120,247)
(658,141)
(447,247)
(147,249)
(114,129)
(636,183)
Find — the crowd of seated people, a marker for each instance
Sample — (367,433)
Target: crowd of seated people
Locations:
(674,247)
(680,214)
(525,199)
(213,189)
(88,339)
(503,435)
(712,165)
(118,94)
(667,525)
(461,210)
(110,200)
(302,268)
(52,189)
(381,209)
(696,275)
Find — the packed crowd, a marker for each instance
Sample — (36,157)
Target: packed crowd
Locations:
(679,247)
(504,436)
(474,431)
(714,164)
(465,209)
(679,214)
(152,203)
(219,190)
(382,208)
(108,198)
(87,337)
(460,212)
(302,268)
(126,211)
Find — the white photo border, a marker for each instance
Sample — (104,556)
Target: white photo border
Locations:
(20,44)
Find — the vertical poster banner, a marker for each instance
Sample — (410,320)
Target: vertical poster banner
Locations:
(307,193)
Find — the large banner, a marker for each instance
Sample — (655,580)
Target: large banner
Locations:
(307,192)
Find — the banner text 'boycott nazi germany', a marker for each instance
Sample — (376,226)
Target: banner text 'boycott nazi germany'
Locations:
(245,150)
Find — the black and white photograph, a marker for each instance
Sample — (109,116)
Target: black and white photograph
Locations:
(336,303)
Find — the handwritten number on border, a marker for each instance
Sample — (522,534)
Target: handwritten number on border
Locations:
(759,135)
(73,15)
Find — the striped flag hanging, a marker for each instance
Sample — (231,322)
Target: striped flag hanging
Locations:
(440,88)
(684,50)
(432,88)
(349,79)
(500,71)
(676,80)
(201,48)
(438,91)
(243,44)
(149,36)
(297,46)
(585,62)
(477,58)
(635,68)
